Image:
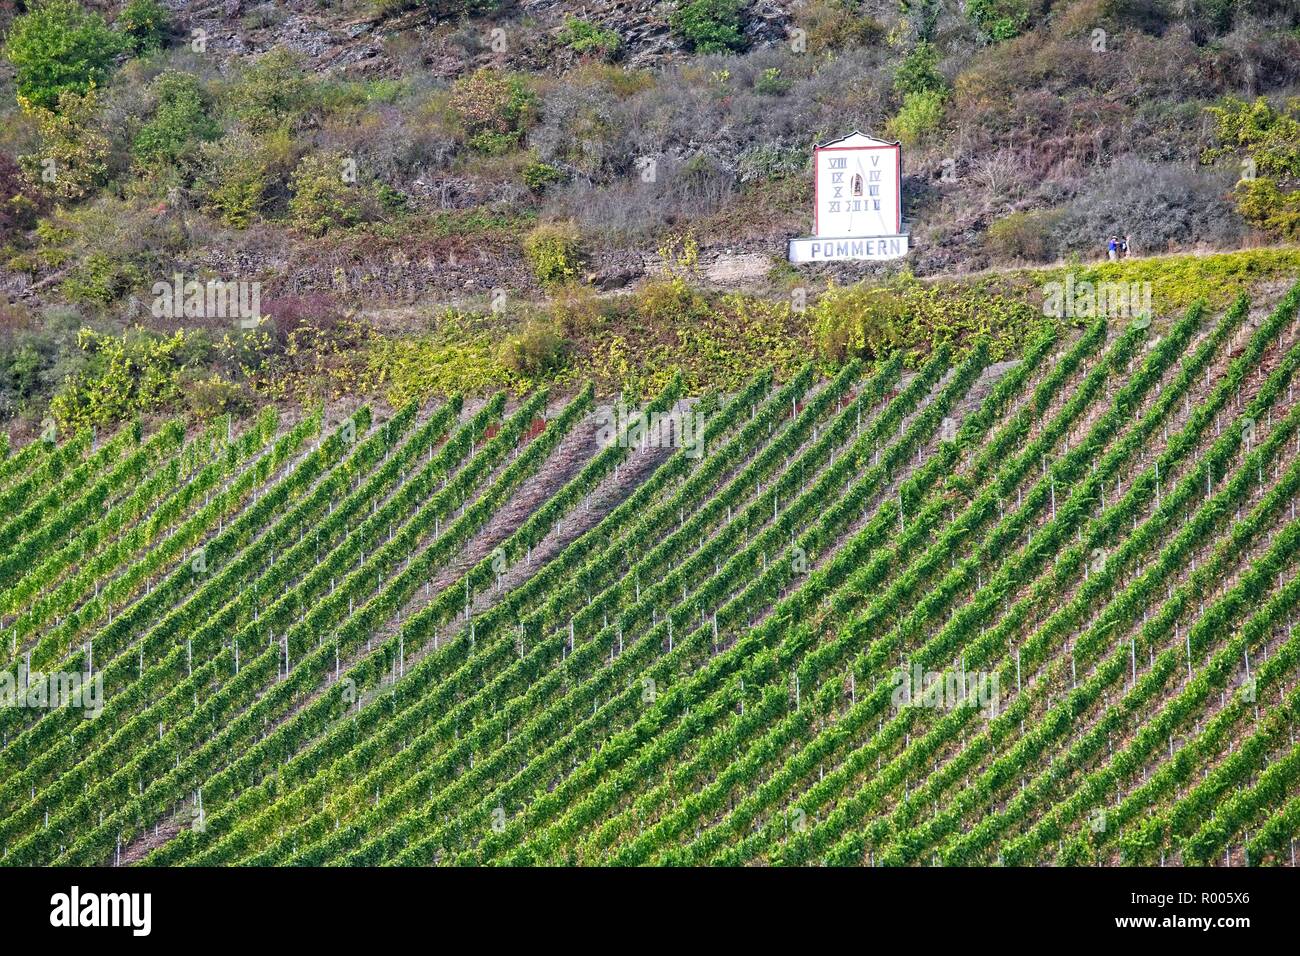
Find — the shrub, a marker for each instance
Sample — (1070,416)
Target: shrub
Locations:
(710,26)
(322,197)
(920,117)
(772,83)
(58,47)
(144,23)
(837,25)
(18,200)
(855,321)
(493,109)
(101,279)
(1150,16)
(537,349)
(391,200)
(579,125)
(919,71)
(272,91)
(126,375)
(208,396)
(768,161)
(179,124)
(241,171)
(673,299)
(1026,235)
(1268,195)
(998,20)
(552,251)
(538,175)
(74,153)
(586,38)
(491,143)
(1268,136)
(1263,204)
(671,302)
(1159,205)
(576,308)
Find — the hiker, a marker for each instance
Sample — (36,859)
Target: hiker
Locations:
(1112,250)
(1126,247)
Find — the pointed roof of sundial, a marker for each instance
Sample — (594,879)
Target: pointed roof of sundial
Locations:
(857,138)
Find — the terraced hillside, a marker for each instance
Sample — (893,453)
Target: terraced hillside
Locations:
(1037,612)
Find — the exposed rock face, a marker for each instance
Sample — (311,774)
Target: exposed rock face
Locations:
(355,39)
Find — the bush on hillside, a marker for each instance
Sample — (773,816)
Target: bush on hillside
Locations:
(1266,142)
(831,25)
(179,124)
(323,195)
(19,200)
(241,174)
(855,321)
(538,175)
(144,24)
(73,160)
(494,108)
(125,375)
(1029,236)
(553,252)
(1159,205)
(919,71)
(998,20)
(272,91)
(537,349)
(710,26)
(57,47)
(588,39)
(920,118)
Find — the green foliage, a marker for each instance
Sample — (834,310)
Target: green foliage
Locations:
(18,200)
(538,175)
(392,200)
(127,374)
(1264,204)
(921,116)
(101,279)
(856,322)
(535,351)
(998,19)
(421,368)
(240,172)
(919,71)
(772,83)
(553,253)
(273,91)
(1268,194)
(178,126)
(493,108)
(144,23)
(74,153)
(1269,137)
(323,196)
(586,38)
(914,317)
(710,26)
(207,396)
(491,143)
(58,47)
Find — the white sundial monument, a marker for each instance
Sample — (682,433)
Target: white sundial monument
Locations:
(857,202)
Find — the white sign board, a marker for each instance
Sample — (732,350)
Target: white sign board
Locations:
(857,202)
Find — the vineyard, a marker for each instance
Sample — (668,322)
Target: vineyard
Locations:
(1016,613)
